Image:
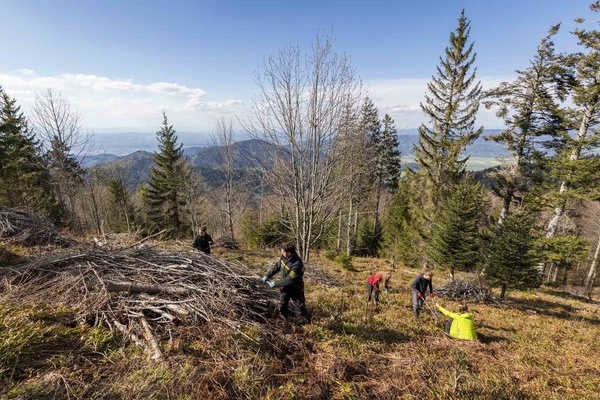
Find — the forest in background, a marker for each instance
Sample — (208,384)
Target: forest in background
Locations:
(329,177)
(328,173)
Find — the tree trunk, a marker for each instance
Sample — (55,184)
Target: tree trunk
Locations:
(349,229)
(591,275)
(503,291)
(559,209)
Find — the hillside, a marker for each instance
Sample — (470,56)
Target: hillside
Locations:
(252,154)
(535,345)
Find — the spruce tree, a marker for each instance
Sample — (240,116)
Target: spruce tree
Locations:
(164,197)
(451,105)
(455,240)
(24,177)
(401,237)
(512,256)
(389,164)
(530,111)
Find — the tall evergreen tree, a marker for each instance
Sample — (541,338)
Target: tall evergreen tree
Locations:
(164,196)
(353,169)
(451,106)
(584,86)
(389,164)
(455,239)
(512,257)
(24,178)
(530,111)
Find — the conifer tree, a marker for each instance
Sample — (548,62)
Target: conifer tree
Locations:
(530,111)
(353,170)
(455,239)
(24,178)
(451,105)
(512,256)
(584,116)
(164,197)
(401,237)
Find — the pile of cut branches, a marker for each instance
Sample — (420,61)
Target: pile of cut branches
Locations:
(227,242)
(475,290)
(24,227)
(143,293)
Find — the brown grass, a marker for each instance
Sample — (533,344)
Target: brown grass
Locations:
(541,344)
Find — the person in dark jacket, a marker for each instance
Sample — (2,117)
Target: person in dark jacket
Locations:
(203,241)
(291,282)
(419,289)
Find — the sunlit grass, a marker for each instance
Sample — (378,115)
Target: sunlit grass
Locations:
(540,344)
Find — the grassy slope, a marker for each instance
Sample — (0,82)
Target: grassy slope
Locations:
(540,344)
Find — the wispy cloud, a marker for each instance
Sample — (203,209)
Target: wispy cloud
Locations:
(106,102)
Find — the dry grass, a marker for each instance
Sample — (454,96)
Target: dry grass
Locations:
(537,345)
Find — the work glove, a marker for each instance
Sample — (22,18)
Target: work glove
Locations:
(264,279)
(419,294)
(271,284)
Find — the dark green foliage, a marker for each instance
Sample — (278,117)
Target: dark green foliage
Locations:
(401,237)
(582,81)
(455,240)
(271,233)
(24,177)
(530,111)
(344,261)
(165,199)
(389,164)
(121,205)
(511,258)
(451,106)
(565,251)
(369,238)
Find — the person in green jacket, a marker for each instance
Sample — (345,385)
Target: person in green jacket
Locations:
(461,326)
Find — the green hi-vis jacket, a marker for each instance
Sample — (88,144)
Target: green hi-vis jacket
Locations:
(292,272)
(463,326)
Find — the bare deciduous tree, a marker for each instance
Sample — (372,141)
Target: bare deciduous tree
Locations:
(298,109)
(65,142)
(224,142)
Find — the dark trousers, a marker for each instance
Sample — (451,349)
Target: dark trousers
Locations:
(417,303)
(447,325)
(296,297)
(370,290)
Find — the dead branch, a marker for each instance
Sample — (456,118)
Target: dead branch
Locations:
(146,294)
(150,289)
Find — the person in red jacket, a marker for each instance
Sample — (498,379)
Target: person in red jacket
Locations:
(373,285)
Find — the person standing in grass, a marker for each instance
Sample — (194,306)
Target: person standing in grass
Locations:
(461,325)
(419,289)
(291,284)
(373,283)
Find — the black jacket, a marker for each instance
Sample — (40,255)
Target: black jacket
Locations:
(292,273)
(421,284)
(202,243)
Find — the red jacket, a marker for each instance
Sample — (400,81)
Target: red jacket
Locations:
(375,279)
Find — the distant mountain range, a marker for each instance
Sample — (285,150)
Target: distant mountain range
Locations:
(248,154)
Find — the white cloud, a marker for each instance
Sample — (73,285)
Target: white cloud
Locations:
(101,83)
(107,103)
(401,98)
(26,71)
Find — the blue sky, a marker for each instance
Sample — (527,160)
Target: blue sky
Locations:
(120,63)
